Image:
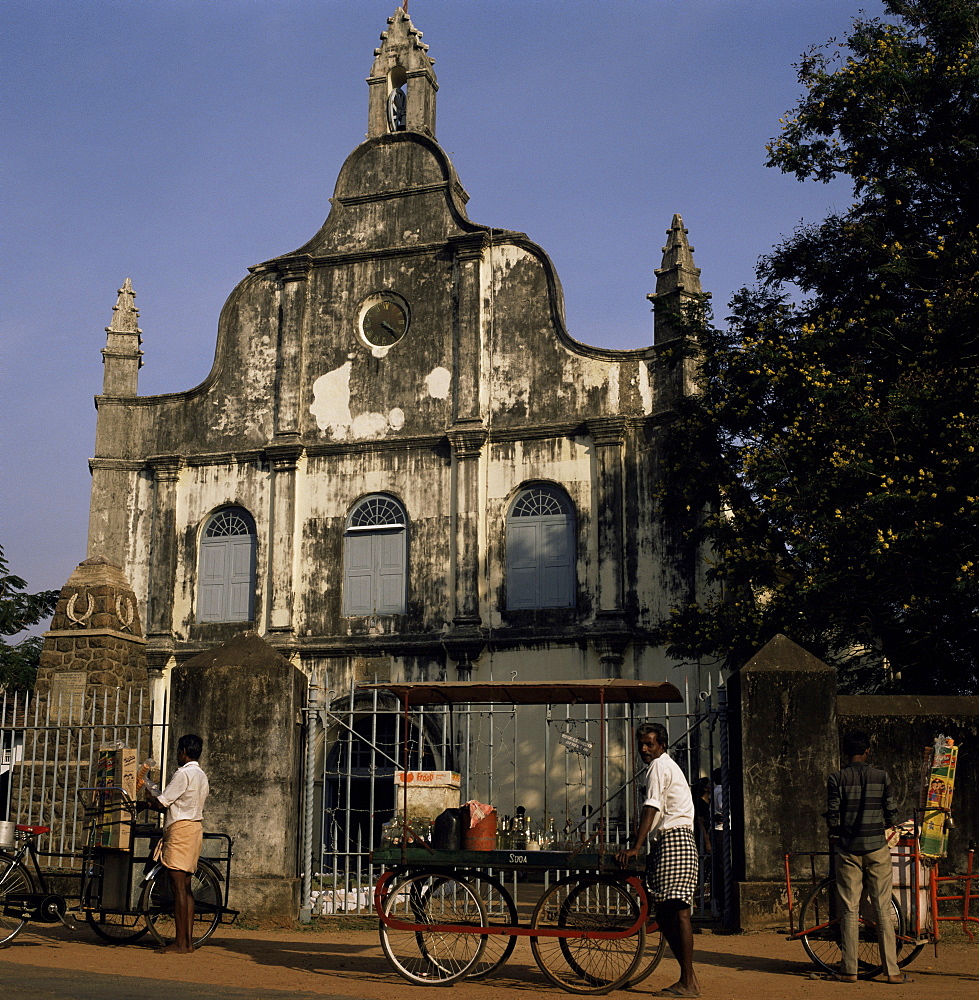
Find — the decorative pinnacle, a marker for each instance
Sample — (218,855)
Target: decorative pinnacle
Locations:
(677,272)
(124,312)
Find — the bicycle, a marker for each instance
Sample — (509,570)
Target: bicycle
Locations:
(820,931)
(26,895)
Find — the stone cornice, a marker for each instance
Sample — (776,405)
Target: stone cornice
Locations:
(284,457)
(87,633)
(166,469)
(607,430)
(467,439)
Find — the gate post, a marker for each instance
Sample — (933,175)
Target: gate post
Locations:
(312,717)
(788,744)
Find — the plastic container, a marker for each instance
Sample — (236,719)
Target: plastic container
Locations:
(447,832)
(8,835)
(482,836)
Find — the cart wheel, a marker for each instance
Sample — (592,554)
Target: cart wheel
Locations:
(651,956)
(13,878)
(500,909)
(421,952)
(116,928)
(156,904)
(822,940)
(653,953)
(590,905)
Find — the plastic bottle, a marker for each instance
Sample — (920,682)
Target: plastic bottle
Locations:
(143,782)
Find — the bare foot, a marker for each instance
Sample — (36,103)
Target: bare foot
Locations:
(174,949)
(679,989)
(898,980)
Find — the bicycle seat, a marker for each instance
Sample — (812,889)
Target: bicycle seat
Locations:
(36,830)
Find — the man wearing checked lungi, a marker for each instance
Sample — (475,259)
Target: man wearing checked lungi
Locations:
(671,867)
(183,833)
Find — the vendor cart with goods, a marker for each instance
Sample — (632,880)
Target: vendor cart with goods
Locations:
(115,884)
(456,894)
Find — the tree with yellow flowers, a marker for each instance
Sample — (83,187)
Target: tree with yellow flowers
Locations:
(839,411)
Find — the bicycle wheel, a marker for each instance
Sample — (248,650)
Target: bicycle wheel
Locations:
(587,964)
(13,878)
(823,941)
(116,928)
(500,909)
(156,904)
(423,953)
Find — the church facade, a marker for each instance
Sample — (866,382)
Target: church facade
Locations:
(401,465)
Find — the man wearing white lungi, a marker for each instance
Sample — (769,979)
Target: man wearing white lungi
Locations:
(183,833)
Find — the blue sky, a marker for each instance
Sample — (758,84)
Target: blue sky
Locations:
(177,142)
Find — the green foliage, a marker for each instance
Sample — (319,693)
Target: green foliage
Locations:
(840,407)
(20,611)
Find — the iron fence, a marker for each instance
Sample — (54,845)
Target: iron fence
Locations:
(540,761)
(49,748)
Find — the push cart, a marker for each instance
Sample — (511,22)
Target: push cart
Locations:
(122,892)
(447,915)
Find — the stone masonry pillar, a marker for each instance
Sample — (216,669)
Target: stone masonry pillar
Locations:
(785,700)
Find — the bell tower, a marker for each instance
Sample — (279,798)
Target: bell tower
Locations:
(402,83)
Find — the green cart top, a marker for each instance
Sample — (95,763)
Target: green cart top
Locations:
(594,692)
(588,859)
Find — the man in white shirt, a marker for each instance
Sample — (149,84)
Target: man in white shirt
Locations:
(183,833)
(671,867)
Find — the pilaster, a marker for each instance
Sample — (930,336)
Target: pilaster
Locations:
(293,279)
(467,440)
(467,332)
(608,435)
(283,458)
(162,560)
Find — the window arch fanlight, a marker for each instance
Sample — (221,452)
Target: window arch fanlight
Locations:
(375,557)
(540,550)
(226,567)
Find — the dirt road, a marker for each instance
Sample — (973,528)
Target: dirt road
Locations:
(349,963)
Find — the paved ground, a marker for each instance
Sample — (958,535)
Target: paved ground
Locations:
(349,965)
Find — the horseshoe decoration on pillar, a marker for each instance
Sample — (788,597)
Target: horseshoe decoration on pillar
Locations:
(81,620)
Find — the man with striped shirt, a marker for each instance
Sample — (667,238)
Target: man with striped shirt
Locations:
(859,807)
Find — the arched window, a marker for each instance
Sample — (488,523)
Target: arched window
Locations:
(540,550)
(375,554)
(226,576)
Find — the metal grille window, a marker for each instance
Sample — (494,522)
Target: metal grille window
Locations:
(540,544)
(375,557)
(226,572)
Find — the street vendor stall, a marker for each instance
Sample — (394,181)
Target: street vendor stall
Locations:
(446,914)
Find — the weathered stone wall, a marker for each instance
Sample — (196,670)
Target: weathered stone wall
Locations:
(244,700)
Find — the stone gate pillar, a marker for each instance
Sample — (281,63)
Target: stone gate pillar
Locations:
(785,705)
(245,700)
(95,644)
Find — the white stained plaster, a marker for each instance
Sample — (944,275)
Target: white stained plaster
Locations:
(396,418)
(613,387)
(437,382)
(644,386)
(594,373)
(331,401)
(369,425)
